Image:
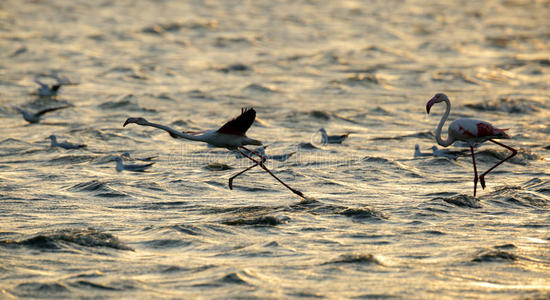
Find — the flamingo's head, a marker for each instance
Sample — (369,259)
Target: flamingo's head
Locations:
(439,97)
(52,137)
(139,121)
(118,159)
(501,133)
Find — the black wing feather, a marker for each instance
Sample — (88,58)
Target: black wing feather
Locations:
(49,110)
(240,124)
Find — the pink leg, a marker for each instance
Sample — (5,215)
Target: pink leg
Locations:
(514,152)
(475,170)
(267,170)
(263,159)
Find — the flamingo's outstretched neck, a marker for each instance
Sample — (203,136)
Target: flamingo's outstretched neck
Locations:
(449,139)
(173,133)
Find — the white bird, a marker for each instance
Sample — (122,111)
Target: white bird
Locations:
(127,155)
(261,150)
(464,144)
(46,90)
(332,139)
(35,117)
(417,152)
(64,145)
(281,157)
(232,135)
(436,152)
(470,131)
(134,168)
(446,153)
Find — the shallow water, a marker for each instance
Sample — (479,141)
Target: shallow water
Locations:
(377,223)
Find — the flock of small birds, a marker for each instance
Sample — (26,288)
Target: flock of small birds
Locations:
(52,90)
(232,136)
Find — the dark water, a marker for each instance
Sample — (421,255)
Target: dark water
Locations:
(378,223)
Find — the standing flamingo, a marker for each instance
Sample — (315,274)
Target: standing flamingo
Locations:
(470,131)
(231,136)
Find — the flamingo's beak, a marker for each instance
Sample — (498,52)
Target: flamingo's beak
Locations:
(429,105)
(126,123)
(502,133)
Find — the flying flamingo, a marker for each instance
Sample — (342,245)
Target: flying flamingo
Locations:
(231,136)
(470,131)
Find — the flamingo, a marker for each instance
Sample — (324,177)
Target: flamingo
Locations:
(232,136)
(472,132)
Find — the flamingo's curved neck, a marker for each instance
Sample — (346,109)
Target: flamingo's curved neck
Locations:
(177,133)
(449,140)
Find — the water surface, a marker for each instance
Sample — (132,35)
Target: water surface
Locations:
(378,223)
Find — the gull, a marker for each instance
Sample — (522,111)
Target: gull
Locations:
(436,152)
(281,157)
(232,136)
(332,139)
(446,153)
(417,152)
(261,150)
(127,156)
(46,90)
(64,145)
(35,117)
(134,168)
